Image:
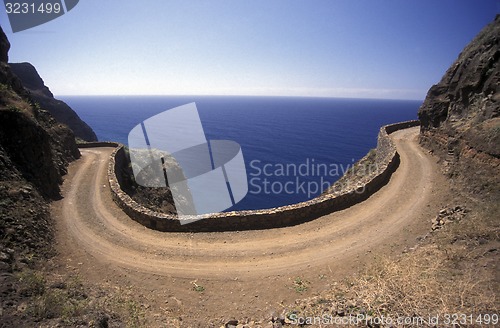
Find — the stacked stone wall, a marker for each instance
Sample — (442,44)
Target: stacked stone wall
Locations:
(387,161)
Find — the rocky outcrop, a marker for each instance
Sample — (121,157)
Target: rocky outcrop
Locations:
(34,152)
(447,215)
(4,47)
(41,94)
(38,146)
(460,117)
(6,76)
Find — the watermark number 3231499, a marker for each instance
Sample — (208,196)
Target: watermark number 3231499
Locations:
(32,8)
(26,14)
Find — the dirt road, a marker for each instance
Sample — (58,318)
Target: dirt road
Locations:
(103,244)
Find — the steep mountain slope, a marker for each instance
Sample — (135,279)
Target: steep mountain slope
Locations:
(57,108)
(34,153)
(460,117)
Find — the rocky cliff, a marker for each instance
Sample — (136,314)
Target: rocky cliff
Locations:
(41,94)
(34,152)
(460,117)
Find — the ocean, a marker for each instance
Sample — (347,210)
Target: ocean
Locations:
(293,147)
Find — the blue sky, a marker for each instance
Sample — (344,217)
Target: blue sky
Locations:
(334,48)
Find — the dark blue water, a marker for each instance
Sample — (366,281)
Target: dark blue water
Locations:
(293,147)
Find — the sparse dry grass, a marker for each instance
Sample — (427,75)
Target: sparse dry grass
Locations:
(424,284)
(452,272)
(12,101)
(356,174)
(69,302)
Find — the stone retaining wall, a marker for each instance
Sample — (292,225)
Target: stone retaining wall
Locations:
(387,161)
(98,144)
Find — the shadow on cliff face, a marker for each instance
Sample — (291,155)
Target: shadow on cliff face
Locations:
(39,147)
(460,117)
(34,153)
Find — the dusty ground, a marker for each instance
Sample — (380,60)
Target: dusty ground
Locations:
(246,274)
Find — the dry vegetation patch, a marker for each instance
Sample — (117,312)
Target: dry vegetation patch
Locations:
(452,272)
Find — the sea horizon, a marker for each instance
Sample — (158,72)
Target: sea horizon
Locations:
(272,132)
(61,96)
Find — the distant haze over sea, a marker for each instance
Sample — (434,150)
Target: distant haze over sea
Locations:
(293,147)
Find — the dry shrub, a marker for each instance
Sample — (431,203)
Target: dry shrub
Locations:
(424,284)
(453,271)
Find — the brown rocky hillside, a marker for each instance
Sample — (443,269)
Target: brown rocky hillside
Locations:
(34,153)
(37,146)
(460,117)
